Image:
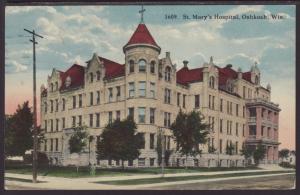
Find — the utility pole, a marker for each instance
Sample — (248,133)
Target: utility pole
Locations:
(35,139)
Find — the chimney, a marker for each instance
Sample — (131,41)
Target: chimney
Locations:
(229,66)
(167,54)
(185,63)
(240,74)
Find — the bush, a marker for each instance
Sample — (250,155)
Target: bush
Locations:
(287,165)
(41,158)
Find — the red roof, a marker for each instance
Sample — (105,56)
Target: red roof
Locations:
(142,36)
(225,74)
(247,76)
(112,69)
(76,73)
(186,76)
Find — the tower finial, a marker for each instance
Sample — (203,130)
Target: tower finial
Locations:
(142,14)
(211,60)
(255,63)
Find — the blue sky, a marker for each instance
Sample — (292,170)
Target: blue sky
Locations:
(73,33)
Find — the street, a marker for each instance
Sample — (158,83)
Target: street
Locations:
(276,182)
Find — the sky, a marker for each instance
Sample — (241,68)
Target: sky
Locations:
(73,33)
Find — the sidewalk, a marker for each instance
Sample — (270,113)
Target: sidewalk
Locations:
(87,183)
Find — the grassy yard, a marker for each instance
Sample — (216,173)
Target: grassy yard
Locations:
(183,178)
(71,172)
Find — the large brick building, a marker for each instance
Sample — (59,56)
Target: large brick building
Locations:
(149,87)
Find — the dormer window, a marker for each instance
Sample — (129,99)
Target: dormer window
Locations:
(98,75)
(131,66)
(91,77)
(68,81)
(168,74)
(230,86)
(256,80)
(142,66)
(212,82)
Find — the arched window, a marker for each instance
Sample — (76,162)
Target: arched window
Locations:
(56,85)
(98,75)
(131,66)
(256,80)
(68,81)
(91,77)
(45,106)
(152,67)
(51,86)
(142,66)
(230,86)
(212,82)
(168,73)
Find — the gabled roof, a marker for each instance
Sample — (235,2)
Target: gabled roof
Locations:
(76,73)
(186,76)
(112,69)
(247,76)
(225,74)
(142,36)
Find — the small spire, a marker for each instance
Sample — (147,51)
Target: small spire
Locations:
(142,14)
(255,63)
(211,60)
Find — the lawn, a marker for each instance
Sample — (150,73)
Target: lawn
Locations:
(71,172)
(183,178)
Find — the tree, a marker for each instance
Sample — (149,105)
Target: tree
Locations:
(78,140)
(18,131)
(189,131)
(229,149)
(159,151)
(247,151)
(284,153)
(259,153)
(119,141)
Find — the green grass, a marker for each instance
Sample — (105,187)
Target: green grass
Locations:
(21,179)
(182,178)
(71,172)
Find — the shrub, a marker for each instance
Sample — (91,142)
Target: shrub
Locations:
(286,165)
(42,159)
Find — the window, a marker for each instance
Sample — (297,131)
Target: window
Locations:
(197,101)
(73,121)
(221,125)
(213,124)
(63,122)
(142,66)
(243,130)
(131,66)
(237,110)
(152,140)
(230,127)
(152,67)
(80,100)
(74,101)
(110,94)
(45,145)
(56,85)
(51,125)
(57,123)
(45,125)
(56,104)
(91,120)
(56,144)
(91,98)
(91,77)
(213,102)
(98,75)
(167,119)
(131,112)
(244,92)
(152,115)
(51,145)
(63,104)
(236,147)
(143,140)
(227,107)
(256,80)
(131,89)
(244,111)
(142,88)
(79,120)
(142,114)
(97,120)
(236,129)
(183,101)
(152,90)
(167,96)
(152,161)
(221,105)
(118,115)
(110,117)
(178,99)
(168,74)
(212,82)
(98,97)
(221,146)
(130,163)
(230,107)
(118,92)
(51,105)
(45,106)
(51,87)
(227,127)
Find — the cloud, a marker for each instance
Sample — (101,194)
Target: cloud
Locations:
(15,67)
(11,10)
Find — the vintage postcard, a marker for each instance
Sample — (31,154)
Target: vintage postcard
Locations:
(150,97)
